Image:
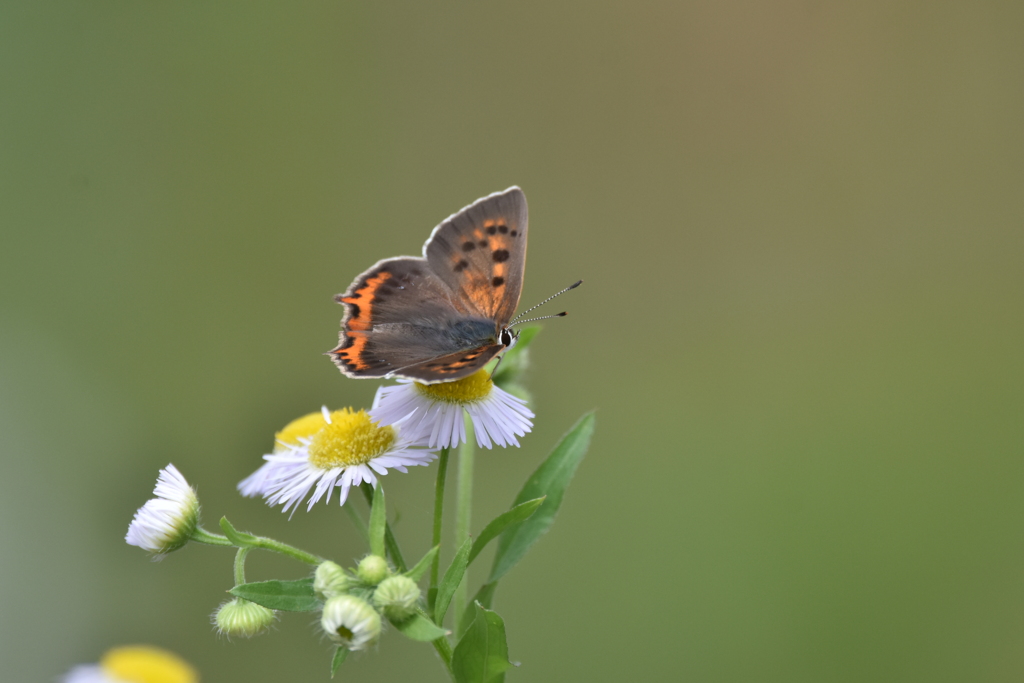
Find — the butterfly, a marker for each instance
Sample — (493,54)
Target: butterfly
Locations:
(443,316)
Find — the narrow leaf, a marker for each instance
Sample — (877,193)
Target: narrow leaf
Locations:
(339,657)
(239,538)
(289,596)
(420,627)
(484,596)
(451,580)
(378,520)
(482,654)
(550,479)
(417,572)
(502,522)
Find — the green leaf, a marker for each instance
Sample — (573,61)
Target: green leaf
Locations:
(420,627)
(516,359)
(482,654)
(289,596)
(378,520)
(451,580)
(417,572)
(484,596)
(339,657)
(502,522)
(239,538)
(550,479)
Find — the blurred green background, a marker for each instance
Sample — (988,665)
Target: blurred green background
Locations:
(801,226)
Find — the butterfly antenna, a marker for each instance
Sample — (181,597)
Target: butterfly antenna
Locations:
(543,317)
(513,321)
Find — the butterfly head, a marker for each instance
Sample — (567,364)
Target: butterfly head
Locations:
(508,337)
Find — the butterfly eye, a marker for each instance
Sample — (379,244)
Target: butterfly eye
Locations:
(506,338)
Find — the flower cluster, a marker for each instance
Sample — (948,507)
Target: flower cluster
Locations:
(406,426)
(355,601)
(409,424)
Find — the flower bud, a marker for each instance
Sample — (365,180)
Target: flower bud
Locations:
(167,522)
(372,569)
(350,622)
(240,617)
(396,596)
(330,580)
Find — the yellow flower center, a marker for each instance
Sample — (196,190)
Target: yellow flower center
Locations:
(305,426)
(350,439)
(466,390)
(146,664)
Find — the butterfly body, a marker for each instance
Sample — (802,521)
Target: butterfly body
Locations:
(440,317)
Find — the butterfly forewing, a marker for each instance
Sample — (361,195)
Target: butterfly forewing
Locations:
(480,253)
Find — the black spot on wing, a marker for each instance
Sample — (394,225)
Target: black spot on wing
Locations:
(500,256)
(498,281)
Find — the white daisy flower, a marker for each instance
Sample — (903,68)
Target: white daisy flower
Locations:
(167,522)
(342,449)
(350,621)
(134,664)
(435,411)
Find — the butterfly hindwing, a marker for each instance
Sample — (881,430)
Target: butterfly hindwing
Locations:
(452,366)
(480,253)
(398,315)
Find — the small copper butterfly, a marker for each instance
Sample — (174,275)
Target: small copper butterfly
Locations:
(443,316)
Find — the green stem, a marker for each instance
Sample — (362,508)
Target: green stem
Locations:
(285,549)
(435,567)
(463,508)
(394,552)
(240,565)
(201,535)
(444,651)
(357,521)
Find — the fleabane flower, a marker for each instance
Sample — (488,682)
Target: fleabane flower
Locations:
(344,449)
(134,664)
(435,411)
(167,522)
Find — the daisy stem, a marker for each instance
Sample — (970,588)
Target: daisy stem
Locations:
(389,538)
(240,565)
(435,567)
(444,651)
(201,535)
(463,507)
(357,521)
(285,549)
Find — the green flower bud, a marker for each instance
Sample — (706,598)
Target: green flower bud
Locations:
(350,622)
(372,569)
(396,596)
(330,580)
(240,617)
